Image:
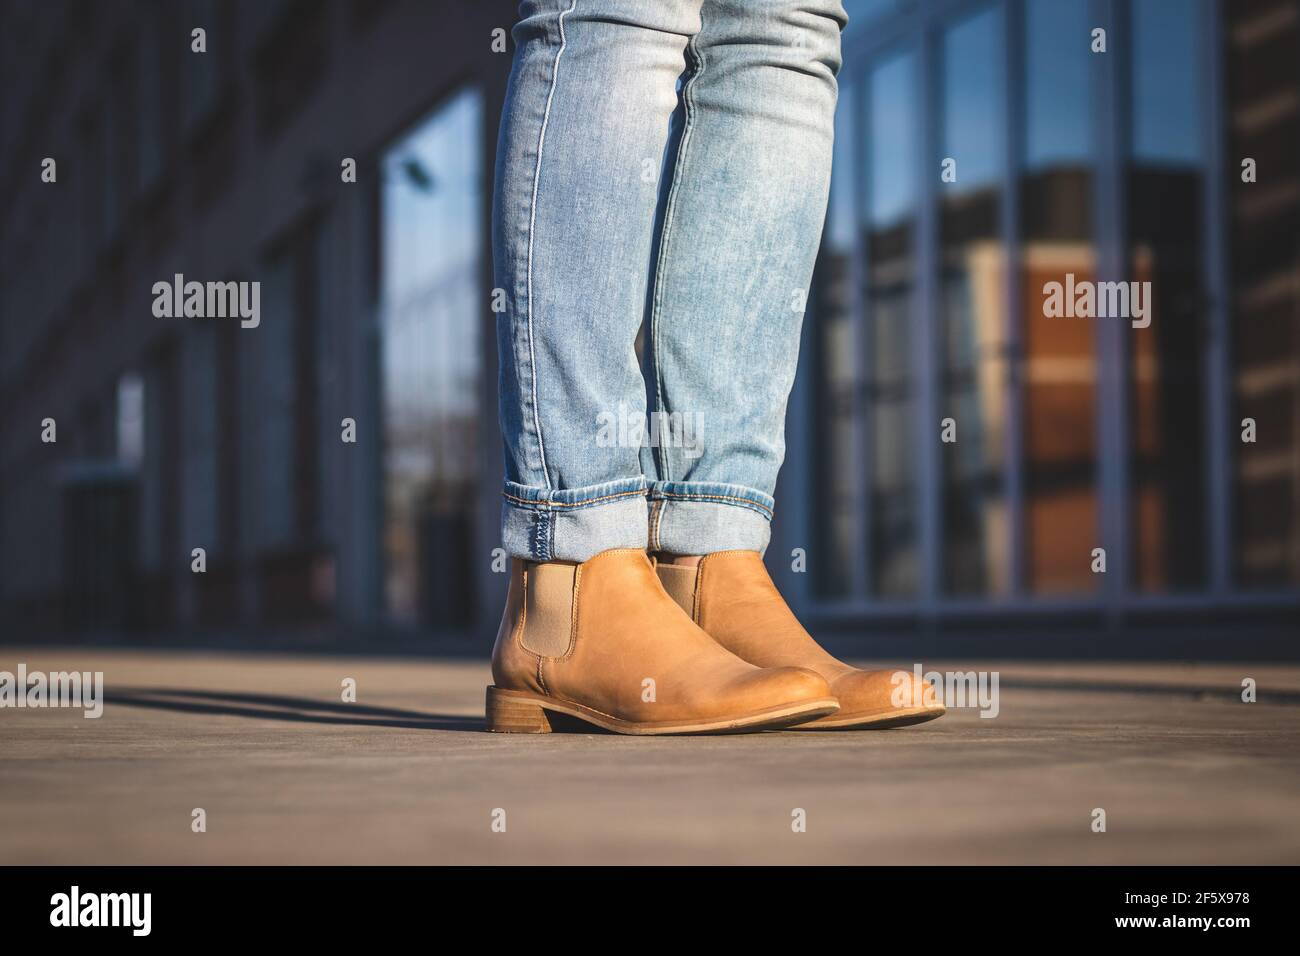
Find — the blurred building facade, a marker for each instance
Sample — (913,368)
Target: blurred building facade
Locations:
(176,434)
(1072,434)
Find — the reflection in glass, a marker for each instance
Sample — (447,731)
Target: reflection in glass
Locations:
(199,411)
(431,210)
(862,12)
(837,389)
(1167,451)
(1059,354)
(971,310)
(130,419)
(891,277)
(269,393)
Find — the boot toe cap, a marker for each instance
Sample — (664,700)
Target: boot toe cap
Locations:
(884,690)
(788,685)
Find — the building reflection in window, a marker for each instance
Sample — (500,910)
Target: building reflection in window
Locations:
(838,395)
(1167,448)
(971,310)
(1060,370)
(891,278)
(431,366)
(862,12)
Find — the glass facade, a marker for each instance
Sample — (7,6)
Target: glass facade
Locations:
(971,332)
(977,446)
(431,363)
(1058,371)
(892,155)
(839,386)
(1166,362)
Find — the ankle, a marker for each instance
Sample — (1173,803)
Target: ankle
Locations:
(679,560)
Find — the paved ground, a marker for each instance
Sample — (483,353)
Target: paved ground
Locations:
(288,773)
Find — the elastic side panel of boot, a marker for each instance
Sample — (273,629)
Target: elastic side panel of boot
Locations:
(514,605)
(548,608)
(679,582)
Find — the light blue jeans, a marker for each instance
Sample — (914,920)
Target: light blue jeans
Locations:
(661,165)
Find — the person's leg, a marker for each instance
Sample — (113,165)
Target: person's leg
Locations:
(582,138)
(740,229)
(588,631)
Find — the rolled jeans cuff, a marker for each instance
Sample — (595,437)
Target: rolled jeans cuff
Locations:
(573,524)
(697,517)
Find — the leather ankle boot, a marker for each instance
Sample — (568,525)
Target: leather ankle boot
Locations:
(603,642)
(732,597)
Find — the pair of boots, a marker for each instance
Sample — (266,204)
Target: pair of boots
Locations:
(642,647)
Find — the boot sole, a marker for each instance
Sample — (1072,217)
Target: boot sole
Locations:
(522,712)
(880,721)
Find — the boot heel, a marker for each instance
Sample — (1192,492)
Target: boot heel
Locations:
(507,714)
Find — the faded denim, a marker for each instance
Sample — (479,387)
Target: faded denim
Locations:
(665,164)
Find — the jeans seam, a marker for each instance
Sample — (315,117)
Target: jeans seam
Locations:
(748,502)
(656,516)
(532,226)
(540,521)
(548,505)
(665,238)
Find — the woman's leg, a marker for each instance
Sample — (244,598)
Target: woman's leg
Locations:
(588,630)
(741,224)
(582,140)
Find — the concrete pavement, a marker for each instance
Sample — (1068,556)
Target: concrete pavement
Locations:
(286,772)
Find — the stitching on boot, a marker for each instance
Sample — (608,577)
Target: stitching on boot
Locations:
(697,593)
(517,635)
(697,599)
(523,610)
(573,615)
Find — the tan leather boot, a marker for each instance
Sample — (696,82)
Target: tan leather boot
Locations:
(601,641)
(732,597)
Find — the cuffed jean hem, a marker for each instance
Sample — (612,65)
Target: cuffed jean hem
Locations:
(573,524)
(698,517)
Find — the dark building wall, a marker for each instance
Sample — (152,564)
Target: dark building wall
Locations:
(1262,48)
(220,166)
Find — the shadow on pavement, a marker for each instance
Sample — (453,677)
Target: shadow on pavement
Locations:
(295,709)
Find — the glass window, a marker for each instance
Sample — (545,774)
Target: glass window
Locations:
(1167,492)
(1057,92)
(202,72)
(120,135)
(149,97)
(862,12)
(199,407)
(130,419)
(891,276)
(270,468)
(158,466)
(92,190)
(1059,353)
(1167,66)
(838,390)
(971,307)
(290,63)
(269,380)
(431,362)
